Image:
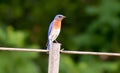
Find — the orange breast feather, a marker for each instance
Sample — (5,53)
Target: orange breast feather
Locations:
(57,24)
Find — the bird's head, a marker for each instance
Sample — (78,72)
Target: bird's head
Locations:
(59,17)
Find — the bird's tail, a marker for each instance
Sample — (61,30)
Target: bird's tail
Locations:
(48,44)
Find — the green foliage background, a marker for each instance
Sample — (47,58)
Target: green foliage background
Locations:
(91,25)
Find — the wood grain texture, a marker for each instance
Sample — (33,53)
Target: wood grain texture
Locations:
(54,58)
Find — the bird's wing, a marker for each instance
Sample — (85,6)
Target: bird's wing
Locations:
(49,32)
(50,28)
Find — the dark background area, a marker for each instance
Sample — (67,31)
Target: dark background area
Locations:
(91,25)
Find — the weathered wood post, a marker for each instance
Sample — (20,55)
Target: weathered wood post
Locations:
(54,58)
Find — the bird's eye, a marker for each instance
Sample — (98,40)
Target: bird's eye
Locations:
(59,16)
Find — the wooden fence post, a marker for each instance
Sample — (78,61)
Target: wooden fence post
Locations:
(54,58)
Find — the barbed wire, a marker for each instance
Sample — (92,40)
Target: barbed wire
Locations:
(23,49)
(90,53)
(62,51)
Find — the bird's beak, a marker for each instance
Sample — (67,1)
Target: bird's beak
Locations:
(64,16)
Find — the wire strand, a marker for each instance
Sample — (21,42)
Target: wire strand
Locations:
(90,53)
(23,49)
(62,51)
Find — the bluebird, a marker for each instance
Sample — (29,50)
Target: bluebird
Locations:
(54,29)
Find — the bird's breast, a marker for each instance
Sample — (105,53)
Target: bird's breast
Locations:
(57,24)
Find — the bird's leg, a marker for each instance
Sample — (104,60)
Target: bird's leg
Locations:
(56,41)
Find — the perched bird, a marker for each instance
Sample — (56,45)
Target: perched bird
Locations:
(54,29)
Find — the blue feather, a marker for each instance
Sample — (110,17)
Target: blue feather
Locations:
(49,32)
